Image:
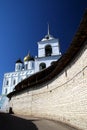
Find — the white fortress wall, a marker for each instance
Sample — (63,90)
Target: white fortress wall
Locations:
(64,98)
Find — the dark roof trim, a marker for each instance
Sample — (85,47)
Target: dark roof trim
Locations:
(19,61)
(52,71)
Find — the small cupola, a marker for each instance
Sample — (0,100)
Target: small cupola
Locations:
(18,65)
(28,58)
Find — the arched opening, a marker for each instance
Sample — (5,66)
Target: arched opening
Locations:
(48,50)
(42,66)
(52,63)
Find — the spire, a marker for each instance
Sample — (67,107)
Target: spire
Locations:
(48,30)
(48,36)
(28,53)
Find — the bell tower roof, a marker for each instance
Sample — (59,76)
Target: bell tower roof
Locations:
(48,36)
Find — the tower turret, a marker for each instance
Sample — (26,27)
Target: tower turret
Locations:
(28,62)
(48,46)
(48,51)
(18,65)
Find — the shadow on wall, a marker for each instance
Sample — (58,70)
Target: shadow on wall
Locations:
(10,122)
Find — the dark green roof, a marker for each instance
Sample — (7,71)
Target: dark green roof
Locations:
(19,61)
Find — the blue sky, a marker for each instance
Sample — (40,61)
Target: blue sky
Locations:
(24,22)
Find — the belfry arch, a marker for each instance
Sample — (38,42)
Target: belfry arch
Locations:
(48,50)
(42,66)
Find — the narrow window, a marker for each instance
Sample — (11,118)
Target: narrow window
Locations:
(14,82)
(19,67)
(26,66)
(6,91)
(32,65)
(7,82)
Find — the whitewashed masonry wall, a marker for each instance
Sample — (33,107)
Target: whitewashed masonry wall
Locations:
(63,99)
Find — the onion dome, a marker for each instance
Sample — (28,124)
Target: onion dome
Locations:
(28,58)
(19,61)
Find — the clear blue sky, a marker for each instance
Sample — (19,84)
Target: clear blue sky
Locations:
(24,22)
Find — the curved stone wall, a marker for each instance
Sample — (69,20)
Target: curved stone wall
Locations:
(64,98)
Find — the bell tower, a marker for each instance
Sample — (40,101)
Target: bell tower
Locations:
(48,46)
(48,51)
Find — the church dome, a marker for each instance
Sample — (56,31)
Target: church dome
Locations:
(28,58)
(19,61)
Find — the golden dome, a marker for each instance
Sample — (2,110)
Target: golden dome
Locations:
(28,58)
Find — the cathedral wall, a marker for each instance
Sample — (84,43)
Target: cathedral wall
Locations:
(64,98)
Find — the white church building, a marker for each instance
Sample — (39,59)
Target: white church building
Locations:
(48,52)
